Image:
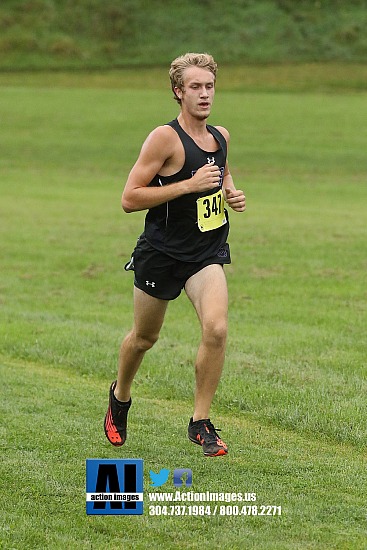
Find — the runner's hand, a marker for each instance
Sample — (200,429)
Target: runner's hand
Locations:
(206,178)
(235,199)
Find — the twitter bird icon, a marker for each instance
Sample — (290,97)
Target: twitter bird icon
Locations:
(158,479)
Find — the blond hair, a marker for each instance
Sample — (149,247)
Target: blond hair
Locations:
(178,66)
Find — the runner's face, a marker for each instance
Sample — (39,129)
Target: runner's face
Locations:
(198,92)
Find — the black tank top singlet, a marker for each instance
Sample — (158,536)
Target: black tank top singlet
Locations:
(172,227)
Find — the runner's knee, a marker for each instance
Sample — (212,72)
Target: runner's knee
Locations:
(215,333)
(144,342)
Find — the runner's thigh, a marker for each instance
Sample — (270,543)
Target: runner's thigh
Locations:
(148,313)
(207,291)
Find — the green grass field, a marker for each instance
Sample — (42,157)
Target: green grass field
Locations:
(292,400)
(43,35)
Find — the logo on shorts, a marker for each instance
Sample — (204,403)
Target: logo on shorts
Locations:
(150,283)
(222,253)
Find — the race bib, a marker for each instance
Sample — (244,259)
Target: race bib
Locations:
(210,212)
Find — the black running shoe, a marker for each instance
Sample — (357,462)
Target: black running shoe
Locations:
(203,433)
(115,421)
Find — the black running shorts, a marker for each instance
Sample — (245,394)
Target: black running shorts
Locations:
(164,277)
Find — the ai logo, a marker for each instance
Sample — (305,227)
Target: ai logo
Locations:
(114,487)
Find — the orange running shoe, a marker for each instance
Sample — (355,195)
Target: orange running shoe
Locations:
(202,432)
(115,421)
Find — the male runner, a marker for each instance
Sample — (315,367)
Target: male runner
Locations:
(182,178)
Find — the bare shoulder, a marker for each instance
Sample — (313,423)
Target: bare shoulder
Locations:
(159,145)
(161,136)
(224,132)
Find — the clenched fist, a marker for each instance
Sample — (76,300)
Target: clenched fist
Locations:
(206,178)
(235,199)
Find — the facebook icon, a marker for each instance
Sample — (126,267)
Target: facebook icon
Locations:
(182,477)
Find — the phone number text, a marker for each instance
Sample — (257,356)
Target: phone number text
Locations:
(217,510)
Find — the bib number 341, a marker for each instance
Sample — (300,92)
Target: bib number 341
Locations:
(210,211)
